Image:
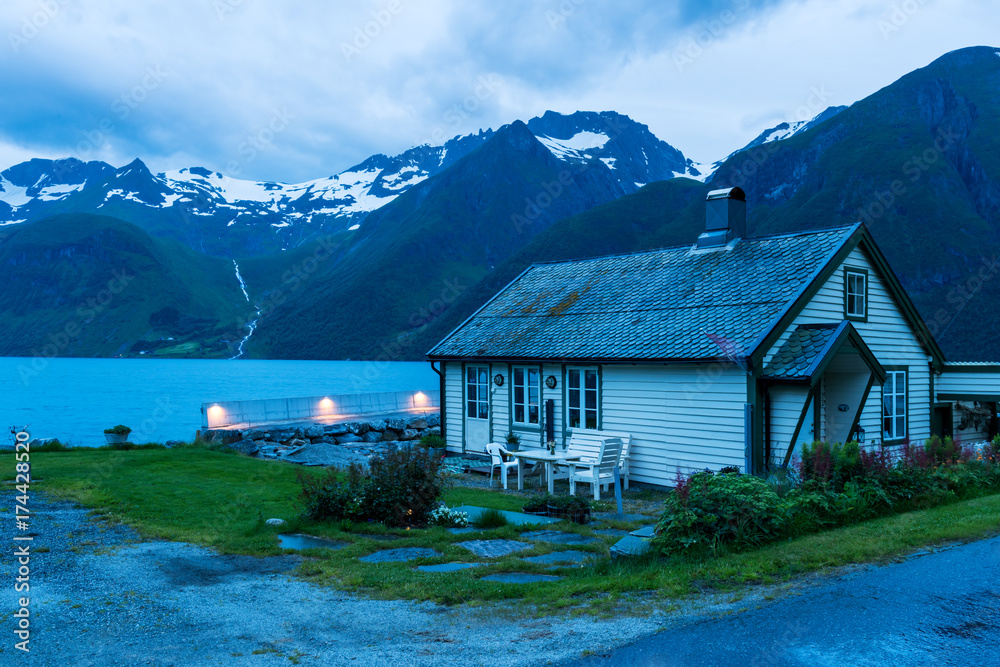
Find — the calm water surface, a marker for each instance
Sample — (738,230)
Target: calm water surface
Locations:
(160,399)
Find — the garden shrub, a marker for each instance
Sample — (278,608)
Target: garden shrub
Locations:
(490,518)
(708,511)
(942,451)
(447,517)
(432,441)
(399,488)
(837,464)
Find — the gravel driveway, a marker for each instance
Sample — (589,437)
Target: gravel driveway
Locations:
(101,596)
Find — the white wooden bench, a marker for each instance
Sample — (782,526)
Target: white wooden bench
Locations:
(586,444)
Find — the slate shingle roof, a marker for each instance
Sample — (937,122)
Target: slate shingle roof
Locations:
(663,304)
(800,352)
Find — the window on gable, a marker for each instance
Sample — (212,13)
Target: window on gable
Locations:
(894,406)
(527,387)
(581,398)
(856,294)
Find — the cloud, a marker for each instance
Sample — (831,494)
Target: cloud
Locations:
(313,88)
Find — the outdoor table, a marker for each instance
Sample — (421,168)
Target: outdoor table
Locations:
(542,456)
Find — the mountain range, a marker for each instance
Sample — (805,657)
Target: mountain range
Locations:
(383,259)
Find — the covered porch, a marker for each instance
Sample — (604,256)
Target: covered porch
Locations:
(815,387)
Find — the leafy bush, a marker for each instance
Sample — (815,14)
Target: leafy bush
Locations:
(712,511)
(490,519)
(399,488)
(942,451)
(432,441)
(51,446)
(837,464)
(120,429)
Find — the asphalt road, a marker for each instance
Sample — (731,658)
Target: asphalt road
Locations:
(940,608)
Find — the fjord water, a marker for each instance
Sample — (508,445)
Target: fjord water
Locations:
(160,399)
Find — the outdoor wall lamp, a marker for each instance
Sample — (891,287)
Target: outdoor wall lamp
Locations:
(550,382)
(498,380)
(843,407)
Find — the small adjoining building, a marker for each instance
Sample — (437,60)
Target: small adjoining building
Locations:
(726,352)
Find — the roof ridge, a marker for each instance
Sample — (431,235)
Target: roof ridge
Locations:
(689,246)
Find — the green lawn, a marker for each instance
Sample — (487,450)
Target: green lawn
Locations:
(221,501)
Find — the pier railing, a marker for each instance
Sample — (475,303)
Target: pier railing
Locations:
(221,414)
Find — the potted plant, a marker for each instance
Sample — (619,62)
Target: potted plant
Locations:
(551,444)
(513,441)
(578,510)
(117,434)
(557,506)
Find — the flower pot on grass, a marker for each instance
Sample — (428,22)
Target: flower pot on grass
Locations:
(117,434)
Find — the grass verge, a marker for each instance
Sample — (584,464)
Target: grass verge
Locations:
(221,501)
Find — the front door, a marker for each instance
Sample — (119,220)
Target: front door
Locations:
(477,408)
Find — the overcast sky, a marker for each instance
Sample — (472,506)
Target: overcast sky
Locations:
(296,90)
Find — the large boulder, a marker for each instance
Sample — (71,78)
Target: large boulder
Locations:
(409,434)
(390,434)
(297,442)
(433,430)
(314,431)
(433,420)
(348,438)
(419,423)
(396,424)
(267,449)
(376,425)
(335,429)
(256,434)
(372,436)
(327,455)
(283,435)
(245,446)
(357,428)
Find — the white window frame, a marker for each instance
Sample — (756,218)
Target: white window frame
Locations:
(892,415)
(857,296)
(482,392)
(582,392)
(526,396)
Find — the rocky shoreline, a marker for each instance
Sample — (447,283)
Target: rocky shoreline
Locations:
(327,444)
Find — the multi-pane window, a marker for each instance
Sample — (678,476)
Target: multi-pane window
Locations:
(894,405)
(581,398)
(856,294)
(527,390)
(477,392)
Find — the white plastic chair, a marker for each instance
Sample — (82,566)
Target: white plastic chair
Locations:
(500,457)
(600,472)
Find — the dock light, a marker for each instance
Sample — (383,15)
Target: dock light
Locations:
(216,413)
(326,405)
(419,399)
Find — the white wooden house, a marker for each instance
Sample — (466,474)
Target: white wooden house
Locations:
(726,352)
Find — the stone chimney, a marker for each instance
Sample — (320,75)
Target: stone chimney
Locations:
(725,217)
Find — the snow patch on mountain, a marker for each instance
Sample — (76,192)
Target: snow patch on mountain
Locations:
(12,194)
(575,147)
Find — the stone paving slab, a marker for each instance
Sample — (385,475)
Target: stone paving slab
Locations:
(512,517)
(630,545)
(494,548)
(613,516)
(571,557)
(448,567)
(462,531)
(399,555)
(645,531)
(559,537)
(520,578)
(299,541)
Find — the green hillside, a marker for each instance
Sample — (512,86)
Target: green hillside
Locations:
(84,285)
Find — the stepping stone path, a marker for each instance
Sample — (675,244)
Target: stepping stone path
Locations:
(572,557)
(494,548)
(448,567)
(399,555)
(558,537)
(299,542)
(520,578)
(462,531)
(621,517)
(635,543)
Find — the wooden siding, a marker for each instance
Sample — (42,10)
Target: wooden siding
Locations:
(887,333)
(972,384)
(500,403)
(787,402)
(687,417)
(454,412)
